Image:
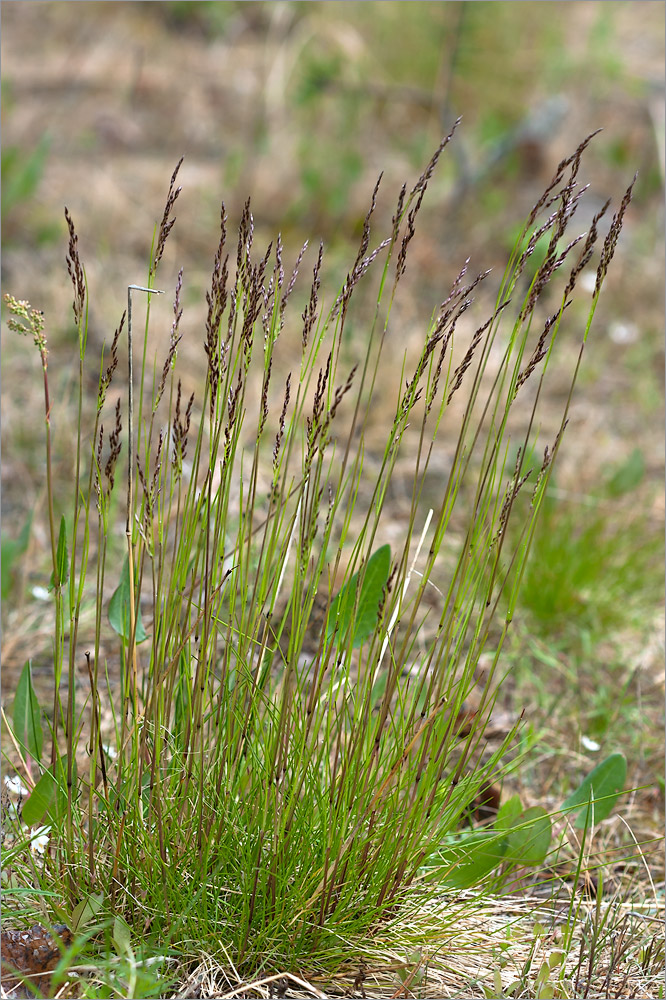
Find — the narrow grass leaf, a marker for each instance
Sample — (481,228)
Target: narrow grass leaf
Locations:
(28,715)
(599,791)
(60,572)
(365,618)
(119,609)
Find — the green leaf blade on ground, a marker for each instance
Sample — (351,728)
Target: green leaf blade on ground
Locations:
(122,936)
(86,910)
(470,859)
(508,813)
(528,839)
(599,791)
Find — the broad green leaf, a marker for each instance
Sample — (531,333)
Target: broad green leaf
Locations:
(41,799)
(363,621)
(49,795)
(60,573)
(599,791)
(528,839)
(508,813)
(11,550)
(471,859)
(628,476)
(122,936)
(119,609)
(28,715)
(86,910)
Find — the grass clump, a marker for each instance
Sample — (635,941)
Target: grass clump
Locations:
(276,759)
(585,571)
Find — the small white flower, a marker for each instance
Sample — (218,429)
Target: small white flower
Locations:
(41,593)
(15,786)
(589,744)
(623,333)
(40,839)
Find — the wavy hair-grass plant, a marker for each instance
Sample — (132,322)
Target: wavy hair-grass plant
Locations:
(290,747)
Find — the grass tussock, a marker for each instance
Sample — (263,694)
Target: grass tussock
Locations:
(270,758)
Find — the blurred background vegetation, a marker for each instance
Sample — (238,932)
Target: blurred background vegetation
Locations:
(301,105)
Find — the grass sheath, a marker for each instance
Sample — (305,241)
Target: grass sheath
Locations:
(275,754)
